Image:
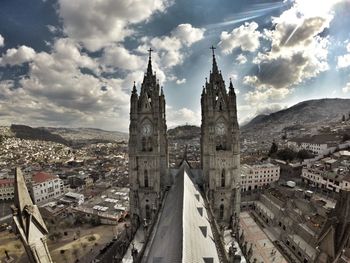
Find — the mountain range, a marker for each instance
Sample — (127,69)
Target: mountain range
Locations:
(312,112)
(322,111)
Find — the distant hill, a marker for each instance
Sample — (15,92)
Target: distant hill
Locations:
(303,113)
(29,133)
(88,135)
(186,132)
(66,136)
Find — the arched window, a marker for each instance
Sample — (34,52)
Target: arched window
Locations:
(221,215)
(143,141)
(223,178)
(149,145)
(145,177)
(148,212)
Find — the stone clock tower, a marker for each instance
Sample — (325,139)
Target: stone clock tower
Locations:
(220,146)
(148,147)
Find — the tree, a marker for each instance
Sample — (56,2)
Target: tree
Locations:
(346,137)
(343,119)
(304,154)
(273,149)
(286,154)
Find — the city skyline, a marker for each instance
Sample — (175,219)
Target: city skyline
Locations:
(74,64)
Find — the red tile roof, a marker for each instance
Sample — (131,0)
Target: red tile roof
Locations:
(6,181)
(43,177)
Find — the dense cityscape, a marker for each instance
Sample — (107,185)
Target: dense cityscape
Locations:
(90,186)
(161,131)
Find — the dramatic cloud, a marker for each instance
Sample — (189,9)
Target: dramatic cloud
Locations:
(180,81)
(170,49)
(259,96)
(346,89)
(290,68)
(1,41)
(17,56)
(344,61)
(57,90)
(241,59)
(97,23)
(187,34)
(297,53)
(245,37)
(182,116)
(119,57)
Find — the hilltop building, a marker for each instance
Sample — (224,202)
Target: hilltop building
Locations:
(317,144)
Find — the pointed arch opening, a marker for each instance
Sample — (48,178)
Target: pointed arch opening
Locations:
(221,212)
(143,142)
(148,212)
(145,177)
(223,178)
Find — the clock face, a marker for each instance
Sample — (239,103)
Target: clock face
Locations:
(220,128)
(146,129)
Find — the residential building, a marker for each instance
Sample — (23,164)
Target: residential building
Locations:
(317,144)
(327,174)
(46,187)
(7,189)
(73,198)
(258,175)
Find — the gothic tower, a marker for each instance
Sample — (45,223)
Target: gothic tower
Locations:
(29,223)
(220,146)
(148,147)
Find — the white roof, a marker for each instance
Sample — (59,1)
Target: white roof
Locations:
(183,233)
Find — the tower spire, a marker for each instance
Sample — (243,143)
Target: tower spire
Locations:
(149,68)
(29,223)
(134,91)
(231,85)
(215,66)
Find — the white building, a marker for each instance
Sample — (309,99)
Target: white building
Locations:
(46,187)
(255,176)
(7,189)
(73,198)
(326,176)
(317,144)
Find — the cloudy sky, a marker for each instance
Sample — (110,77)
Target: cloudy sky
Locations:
(73,63)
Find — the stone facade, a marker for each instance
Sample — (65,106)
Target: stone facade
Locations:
(334,240)
(220,146)
(148,147)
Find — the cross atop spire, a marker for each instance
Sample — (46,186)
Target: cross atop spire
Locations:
(215,66)
(150,52)
(149,68)
(212,49)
